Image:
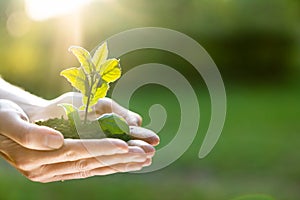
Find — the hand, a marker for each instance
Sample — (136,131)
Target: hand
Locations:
(14,126)
(104,105)
(41,154)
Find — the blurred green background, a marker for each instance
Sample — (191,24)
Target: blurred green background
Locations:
(255,44)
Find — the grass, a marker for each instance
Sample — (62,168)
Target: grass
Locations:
(256,154)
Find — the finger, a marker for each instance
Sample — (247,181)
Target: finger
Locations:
(144,134)
(149,150)
(126,167)
(132,118)
(106,105)
(72,150)
(75,149)
(147,162)
(6,143)
(135,154)
(29,135)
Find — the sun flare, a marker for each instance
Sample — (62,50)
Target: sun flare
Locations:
(44,9)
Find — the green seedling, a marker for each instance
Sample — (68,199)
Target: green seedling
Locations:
(92,80)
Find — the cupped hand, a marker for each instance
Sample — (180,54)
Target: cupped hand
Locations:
(42,155)
(76,159)
(14,125)
(104,105)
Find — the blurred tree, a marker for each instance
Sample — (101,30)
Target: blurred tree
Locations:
(248,39)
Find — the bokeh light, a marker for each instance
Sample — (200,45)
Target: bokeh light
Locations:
(18,24)
(45,9)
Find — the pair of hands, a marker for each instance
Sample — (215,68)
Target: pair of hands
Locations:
(43,155)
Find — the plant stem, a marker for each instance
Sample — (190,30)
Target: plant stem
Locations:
(88,100)
(87,107)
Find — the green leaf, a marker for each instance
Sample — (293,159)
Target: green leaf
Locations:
(84,57)
(100,56)
(71,112)
(110,70)
(77,79)
(113,123)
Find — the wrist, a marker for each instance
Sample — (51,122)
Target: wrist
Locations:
(29,103)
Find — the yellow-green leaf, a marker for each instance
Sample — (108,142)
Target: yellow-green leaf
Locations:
(100,55)
(83,107)
(110,70)
(96,94)
(100,93)
(77,79)
(71,112)
(84,57)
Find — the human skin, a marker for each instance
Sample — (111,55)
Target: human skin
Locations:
(43,155)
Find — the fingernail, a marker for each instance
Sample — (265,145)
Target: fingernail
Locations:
(54,141)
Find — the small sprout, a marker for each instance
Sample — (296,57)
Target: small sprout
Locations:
(92,79)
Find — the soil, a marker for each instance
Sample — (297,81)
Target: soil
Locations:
(89,130)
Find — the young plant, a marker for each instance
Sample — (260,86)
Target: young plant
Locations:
(92,79)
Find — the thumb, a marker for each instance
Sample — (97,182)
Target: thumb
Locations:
(30,135)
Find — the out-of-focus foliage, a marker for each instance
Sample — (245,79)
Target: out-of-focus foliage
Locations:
(250,40)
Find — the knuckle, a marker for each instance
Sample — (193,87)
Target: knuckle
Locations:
(120,144)
(137,119)
(104,105)
(85,174)
(81,165)
(117,144)
(25,136)
(71,155)
(133,118)
(107,101)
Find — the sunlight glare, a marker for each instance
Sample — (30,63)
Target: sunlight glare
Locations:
(44,9)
